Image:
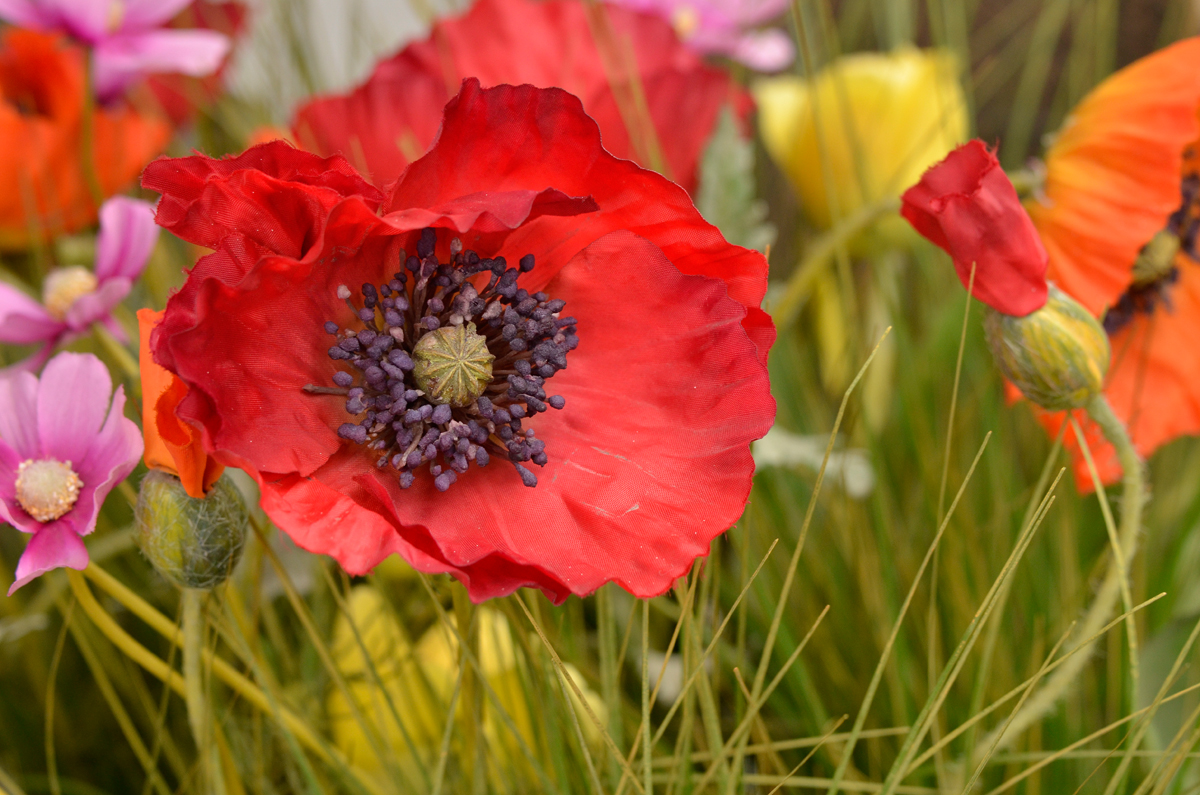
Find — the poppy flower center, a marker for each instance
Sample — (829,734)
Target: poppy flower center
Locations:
(444,370)
(64,286)
(46,488)
(1157,266)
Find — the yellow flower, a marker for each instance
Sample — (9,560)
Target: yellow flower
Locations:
(864,128)
(419,680)
(503,667)
(370,649)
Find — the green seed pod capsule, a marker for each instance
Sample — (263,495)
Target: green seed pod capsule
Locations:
(194,543)
(1057,355)
(453,365)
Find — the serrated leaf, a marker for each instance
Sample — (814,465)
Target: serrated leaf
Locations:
(727,197)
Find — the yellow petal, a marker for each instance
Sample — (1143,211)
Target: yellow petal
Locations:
(864,128)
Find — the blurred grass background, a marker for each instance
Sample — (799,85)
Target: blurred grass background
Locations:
(393,702)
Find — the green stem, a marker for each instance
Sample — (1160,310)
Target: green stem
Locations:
(87,136)
(120,355)
(1133,499)
(800,283)
(193,677)
(646,744)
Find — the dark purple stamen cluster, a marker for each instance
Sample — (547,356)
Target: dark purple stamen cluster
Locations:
(524,331)
(1184,223)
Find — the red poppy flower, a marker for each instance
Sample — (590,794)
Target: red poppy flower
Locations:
(450,357)
(1119,217)
(41,123)
(629,68)
(967,206)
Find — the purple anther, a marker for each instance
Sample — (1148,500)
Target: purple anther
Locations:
(527,477)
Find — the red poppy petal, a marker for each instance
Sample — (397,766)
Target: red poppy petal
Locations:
(230,299)
(391,120)
(183,181)
(565,152)
(317,518)
(966,205)
(247,349)
(635,495)
(489,212)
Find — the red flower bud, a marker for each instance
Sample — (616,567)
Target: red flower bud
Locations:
(967,206)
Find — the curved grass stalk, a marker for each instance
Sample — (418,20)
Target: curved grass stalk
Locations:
(1115,582)
(288,720)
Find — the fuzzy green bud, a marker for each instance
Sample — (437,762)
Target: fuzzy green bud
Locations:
(195,543)
(453,364)
(1057,355)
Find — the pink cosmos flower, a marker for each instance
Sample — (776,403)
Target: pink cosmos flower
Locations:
(62,449)
(73,298)
(126,36)
(732,28)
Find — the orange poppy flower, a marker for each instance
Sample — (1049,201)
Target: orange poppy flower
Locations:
(42,84)
(171,445)
(1119,218)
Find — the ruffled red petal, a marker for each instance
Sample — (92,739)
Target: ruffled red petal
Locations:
(966,205)
(205,200)
(391,120)
(543,137)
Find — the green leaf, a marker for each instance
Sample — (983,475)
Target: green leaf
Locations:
(727,196)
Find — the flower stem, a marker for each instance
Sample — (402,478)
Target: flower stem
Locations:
(87,136)
(1133,499)
(193,678)
(120,355)
(223,670)
(800,283)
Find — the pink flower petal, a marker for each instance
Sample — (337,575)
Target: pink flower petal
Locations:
(18,414)
(53,546)
(83,19)
(10,460)
(142,15)
(24,13)
(23,320)
(72,399)
(764,50)
(127,237)
(120,60)
(96,306)
(111,455)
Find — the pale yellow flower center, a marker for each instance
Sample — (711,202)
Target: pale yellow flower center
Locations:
(64,286)
(116,15)
(47,489)
(685,20)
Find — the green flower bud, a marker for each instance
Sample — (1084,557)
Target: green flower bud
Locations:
(194,543)
(1057,355)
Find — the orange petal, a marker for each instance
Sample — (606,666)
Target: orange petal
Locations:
(1113,174)
(171,445)
(42,84)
